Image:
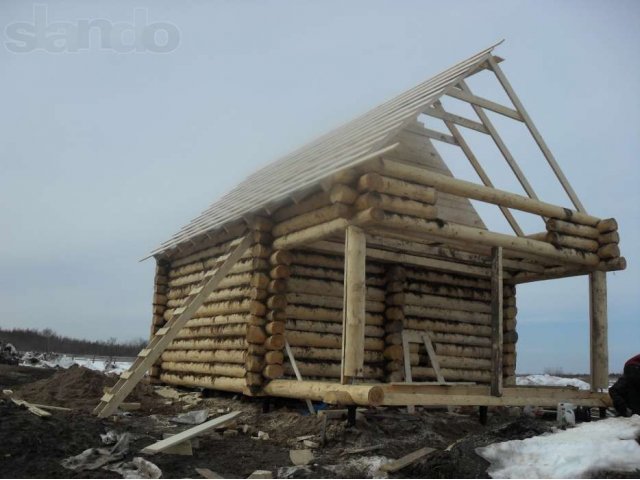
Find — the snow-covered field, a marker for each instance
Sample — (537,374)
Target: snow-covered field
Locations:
(66,361)
(606,445)
(551,380)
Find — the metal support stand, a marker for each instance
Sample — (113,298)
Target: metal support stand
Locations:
(483,415)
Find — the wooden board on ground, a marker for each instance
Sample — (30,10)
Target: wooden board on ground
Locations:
(407,460)
(190,433)
(206,473)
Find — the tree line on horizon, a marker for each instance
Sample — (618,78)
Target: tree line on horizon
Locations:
(48,341)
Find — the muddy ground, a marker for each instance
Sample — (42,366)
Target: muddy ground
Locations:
(33,447)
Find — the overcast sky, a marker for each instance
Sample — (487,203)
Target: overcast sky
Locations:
(105,152)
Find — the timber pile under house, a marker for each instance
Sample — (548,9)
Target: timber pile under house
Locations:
(356,271)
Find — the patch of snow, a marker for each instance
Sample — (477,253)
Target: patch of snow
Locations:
(551,380)
(66,361)
(605,445)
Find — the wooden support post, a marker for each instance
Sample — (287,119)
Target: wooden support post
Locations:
(598,321)
(354,304)
(496,321)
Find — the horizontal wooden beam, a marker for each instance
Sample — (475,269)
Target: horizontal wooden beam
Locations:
(484,103)
(462,188)
(441,137)
(457,119)
(480,395)
(484,237)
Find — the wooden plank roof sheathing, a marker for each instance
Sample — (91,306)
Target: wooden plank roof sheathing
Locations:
(343,147)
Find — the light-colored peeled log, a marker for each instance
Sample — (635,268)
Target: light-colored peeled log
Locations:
(394,352)
(237,385)
(327,340)
(219,320)
(253,333)
(278,286)
(462,188)
(373,182)
(446,302)
(315,217)
(330,369)
(326,315)
(484,237)
(447,279)
(329,327)
(276,316)
(254,363)
(313,202)
(204,356)
(280,257)
(447,314)
(277,302)
(366,395)
(279,272)
(396,205)
(274,328)
(223,369)
(340,193)
(308,259)
(609,237)
(609,251)
(329,302)
(449,291)
(272,371)
(568,228)
(327,288)
(607,225)
(311,234)
(209,344)
(300,271)
(274,342)
(452,374)
(275,357)
(580,243)
(447,327)
(438,337)
(333,354)
(253,379)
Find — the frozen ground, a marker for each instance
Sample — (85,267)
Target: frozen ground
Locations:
(607,445)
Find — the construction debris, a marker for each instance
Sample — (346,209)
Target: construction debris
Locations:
(261,474)
(136,468)
(301,457)
(194,417)
(206,473)
(407,460)
(190,433)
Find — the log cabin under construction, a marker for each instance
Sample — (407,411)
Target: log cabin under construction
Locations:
(356,271)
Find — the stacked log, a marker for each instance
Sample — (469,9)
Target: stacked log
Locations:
(456,311)
(314,322)
(160,289)
(396,196)
(601,239)
(224,344)
(394,316)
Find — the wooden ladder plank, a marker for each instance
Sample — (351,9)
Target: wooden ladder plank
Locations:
(158,344)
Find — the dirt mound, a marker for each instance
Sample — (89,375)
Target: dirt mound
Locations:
(31,446)
(80,388)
